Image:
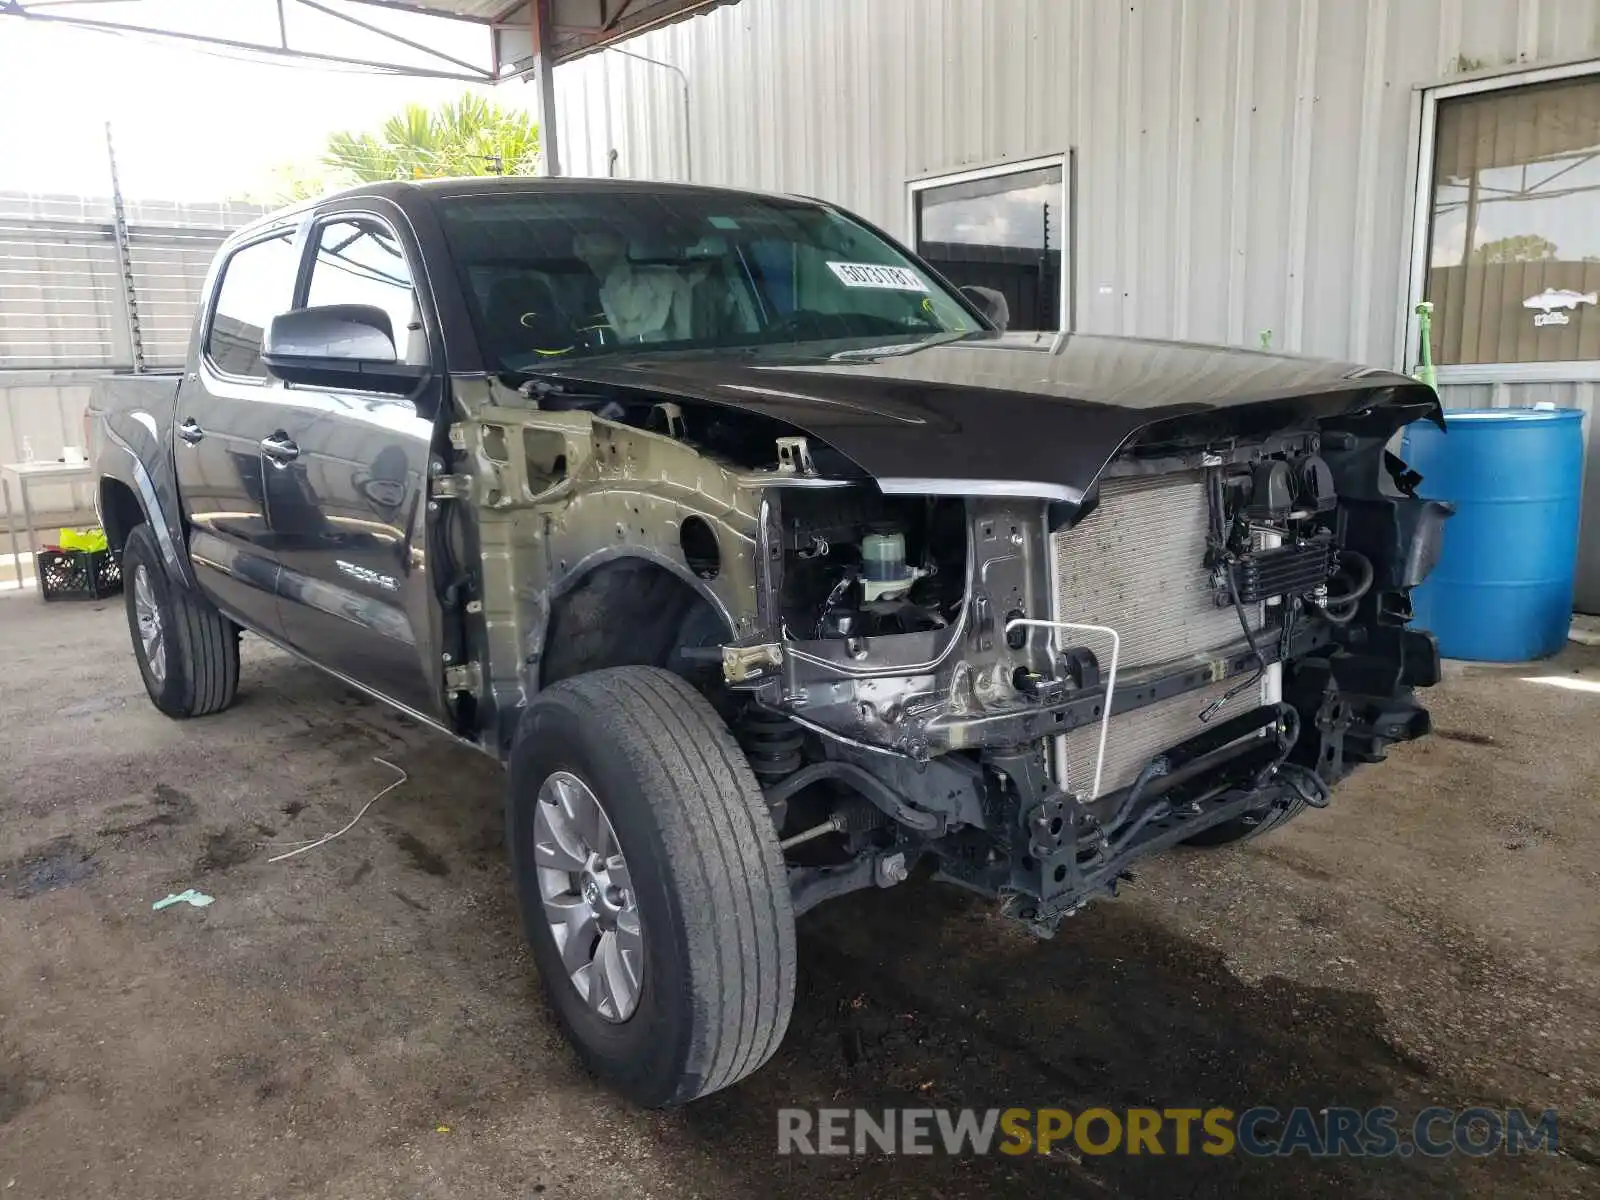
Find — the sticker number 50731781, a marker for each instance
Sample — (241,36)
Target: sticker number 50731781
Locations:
(873,275)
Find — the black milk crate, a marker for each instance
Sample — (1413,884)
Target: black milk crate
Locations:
(79,574)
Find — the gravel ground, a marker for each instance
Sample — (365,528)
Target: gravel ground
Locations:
(362,1020)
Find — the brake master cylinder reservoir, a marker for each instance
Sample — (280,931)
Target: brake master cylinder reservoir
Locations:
(883,562)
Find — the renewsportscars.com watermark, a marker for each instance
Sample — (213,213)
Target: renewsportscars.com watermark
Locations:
(1259,1132)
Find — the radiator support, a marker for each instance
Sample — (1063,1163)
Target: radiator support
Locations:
(1137,564)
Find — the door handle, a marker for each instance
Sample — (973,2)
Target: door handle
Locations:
(190,431)
(280,448)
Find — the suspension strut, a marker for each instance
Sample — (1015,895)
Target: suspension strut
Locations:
(771,742)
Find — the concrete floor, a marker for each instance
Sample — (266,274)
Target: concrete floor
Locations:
(362,1021)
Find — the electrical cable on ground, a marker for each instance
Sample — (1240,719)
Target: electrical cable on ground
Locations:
(328,837)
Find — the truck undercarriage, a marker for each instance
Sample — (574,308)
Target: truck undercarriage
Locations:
(1027,695)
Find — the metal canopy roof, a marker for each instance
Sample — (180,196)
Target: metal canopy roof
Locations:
(572,28)
(523,39)
(578,26)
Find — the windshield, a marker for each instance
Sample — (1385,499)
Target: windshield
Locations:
(555,276)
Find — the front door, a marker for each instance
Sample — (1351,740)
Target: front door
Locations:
(227,407)
(350,535)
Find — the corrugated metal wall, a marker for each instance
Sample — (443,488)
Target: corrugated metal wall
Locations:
(61,292)
(1241,165)
(63,312)
(63,301)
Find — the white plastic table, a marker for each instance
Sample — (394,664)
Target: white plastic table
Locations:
(27,474)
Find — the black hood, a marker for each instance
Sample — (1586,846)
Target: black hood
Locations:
(1020,414)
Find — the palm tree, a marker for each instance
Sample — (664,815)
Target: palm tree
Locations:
(469,136)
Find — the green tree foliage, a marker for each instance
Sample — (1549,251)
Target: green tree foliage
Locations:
(292,182)
(469,136)
(1521,247)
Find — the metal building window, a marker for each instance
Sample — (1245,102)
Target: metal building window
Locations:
(1007,228)
(1512,220)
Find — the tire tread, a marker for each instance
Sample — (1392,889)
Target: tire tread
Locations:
(723,851)
(210,650)
(205,677)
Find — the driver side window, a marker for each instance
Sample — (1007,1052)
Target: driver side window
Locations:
(359,261)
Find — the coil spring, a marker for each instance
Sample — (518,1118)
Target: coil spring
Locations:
(771,742)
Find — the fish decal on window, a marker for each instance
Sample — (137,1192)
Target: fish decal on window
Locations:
(1551,300)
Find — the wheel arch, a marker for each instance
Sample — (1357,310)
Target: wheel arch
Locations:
(128,495)
(120,511)
(627,606)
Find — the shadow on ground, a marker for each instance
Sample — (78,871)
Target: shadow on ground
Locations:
(922,999)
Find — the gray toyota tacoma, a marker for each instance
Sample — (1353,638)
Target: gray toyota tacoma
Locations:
(769,563)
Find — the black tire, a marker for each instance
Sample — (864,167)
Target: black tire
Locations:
(199,647)
(708,878)
(1250,825)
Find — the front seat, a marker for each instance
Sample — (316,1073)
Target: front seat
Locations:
(523,320)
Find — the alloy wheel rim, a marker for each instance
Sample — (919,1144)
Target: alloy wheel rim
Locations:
(588,896)
(148,616)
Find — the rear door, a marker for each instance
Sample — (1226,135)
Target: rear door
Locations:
(227,406)
(351,537)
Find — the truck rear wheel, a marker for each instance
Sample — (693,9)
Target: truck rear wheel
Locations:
(652,888)
(188,652)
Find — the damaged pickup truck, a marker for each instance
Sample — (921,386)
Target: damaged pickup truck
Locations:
(770,565)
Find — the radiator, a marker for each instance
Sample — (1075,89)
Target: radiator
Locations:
(1137,564)
(1134,738)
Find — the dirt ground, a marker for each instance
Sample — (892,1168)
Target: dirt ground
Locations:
(362,1020)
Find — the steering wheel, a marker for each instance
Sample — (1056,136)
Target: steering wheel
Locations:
(597,330)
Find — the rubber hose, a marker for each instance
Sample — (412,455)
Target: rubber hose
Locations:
(1156,767)
(1159,809)
(1361,588)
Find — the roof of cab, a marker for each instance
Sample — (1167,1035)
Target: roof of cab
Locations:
(401,190)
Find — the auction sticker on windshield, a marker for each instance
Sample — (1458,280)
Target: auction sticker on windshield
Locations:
(875,275)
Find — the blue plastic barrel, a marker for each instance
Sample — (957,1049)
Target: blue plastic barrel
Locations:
(1502,591)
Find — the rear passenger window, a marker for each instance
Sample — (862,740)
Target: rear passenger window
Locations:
(359,262)
(257,285)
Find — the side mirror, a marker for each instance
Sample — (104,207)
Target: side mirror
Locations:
(991,304)
(338,345)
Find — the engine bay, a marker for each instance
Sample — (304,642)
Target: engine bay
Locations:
(1025,693)
(861,564)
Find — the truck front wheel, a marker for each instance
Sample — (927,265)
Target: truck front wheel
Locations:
(652,888)
(188,652)
(1250,825)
